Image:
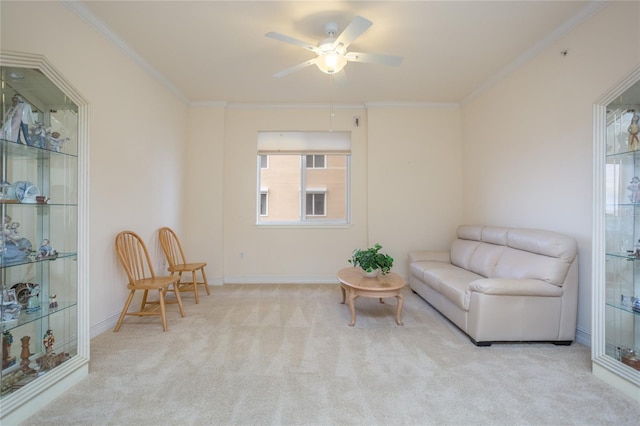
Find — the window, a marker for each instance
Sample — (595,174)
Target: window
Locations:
(264,203)
(316,203)
(264,161)
(315,161)
(307,178)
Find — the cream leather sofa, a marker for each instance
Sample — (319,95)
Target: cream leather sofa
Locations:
(503,284)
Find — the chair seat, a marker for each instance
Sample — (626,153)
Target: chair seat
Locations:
(188,267)
(154,283)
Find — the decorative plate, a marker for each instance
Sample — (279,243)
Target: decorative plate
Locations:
(30,195)
(20,187)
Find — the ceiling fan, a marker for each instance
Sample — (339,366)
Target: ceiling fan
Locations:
(332,53)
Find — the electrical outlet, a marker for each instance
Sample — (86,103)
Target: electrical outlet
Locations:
(241,255)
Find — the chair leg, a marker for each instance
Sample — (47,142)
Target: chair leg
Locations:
(144,300)
(180,303)
(177,292)
(162,310)
(195,286)
(206,283)
(124,311)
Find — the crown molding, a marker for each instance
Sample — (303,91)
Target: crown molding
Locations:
(79,9)
(208,104)
(431,105)
(294,106)
(570,24)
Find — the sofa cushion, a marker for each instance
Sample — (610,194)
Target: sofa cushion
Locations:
(418,269)
(484,259)
(452,283)
(469,232)
(521,264)
(461,252)
(511,287)
(495,235)
(542,242)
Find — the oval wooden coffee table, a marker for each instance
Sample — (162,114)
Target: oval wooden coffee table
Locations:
(353,281)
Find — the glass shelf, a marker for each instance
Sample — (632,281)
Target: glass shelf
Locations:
(19,150)
(31,259)
(623,308)
(44,312)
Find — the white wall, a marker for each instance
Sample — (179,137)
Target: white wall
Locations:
(279,254)
(202,230)
(415,179)
(527,142)
(136,138)
(406,185)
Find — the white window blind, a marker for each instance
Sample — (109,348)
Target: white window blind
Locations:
(304,142)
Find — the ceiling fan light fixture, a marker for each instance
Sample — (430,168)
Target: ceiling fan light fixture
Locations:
(331,62)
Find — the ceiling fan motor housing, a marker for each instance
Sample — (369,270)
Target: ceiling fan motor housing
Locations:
(331,29)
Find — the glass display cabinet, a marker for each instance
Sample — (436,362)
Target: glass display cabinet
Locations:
(43,286)
(616,308)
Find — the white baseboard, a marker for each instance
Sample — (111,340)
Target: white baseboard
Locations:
(279,280)
(583,337)
(107,324)
(284,280)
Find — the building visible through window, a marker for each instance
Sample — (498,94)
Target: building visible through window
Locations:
(303,177)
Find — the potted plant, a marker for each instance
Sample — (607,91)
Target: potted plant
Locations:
(372,261)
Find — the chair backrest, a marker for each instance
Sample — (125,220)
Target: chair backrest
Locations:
(134,256)
(171,247)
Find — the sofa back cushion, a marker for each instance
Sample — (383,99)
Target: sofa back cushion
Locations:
(497,252)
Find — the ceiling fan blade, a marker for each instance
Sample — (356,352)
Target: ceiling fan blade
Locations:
(354,30)
(374,58)
(291,40)
(295,68)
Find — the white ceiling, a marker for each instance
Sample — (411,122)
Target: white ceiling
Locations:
(216,51)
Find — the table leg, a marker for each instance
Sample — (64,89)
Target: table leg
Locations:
(352,306)
(400,303)
(343,294)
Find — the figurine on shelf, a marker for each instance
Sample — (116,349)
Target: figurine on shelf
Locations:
(15,249)
(56,141)
(634,129)
(17,120)
(33,304)
(46,251)
(24,356)
(10,306)
(53,303)
(636,249)
(47,341)
(4,188)
(39,135)
(7,359)
(634,187)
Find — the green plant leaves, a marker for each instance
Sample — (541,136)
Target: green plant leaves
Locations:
(371,258)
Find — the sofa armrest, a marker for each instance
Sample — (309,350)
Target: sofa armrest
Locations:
(515,287)
(429,255)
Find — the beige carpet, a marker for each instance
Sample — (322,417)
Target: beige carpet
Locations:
(284,355)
